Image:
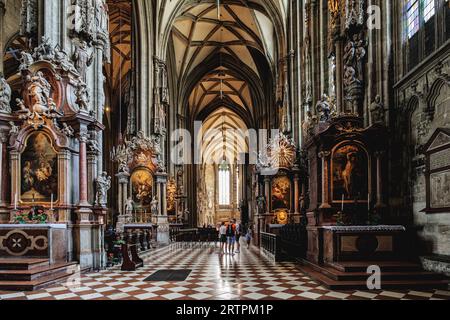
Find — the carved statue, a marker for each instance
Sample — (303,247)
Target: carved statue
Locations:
(102,16)
(129,206)
(154,206)
(5,95)
(309,123)
(63,61)
(93,145)
(360,53)
(45,51)
(262,204)
(39,93)
(67,130)
(26,60)
(14,129)
(103,183)
(82,59)
(82,95)
(21,105)
(324,109)
(377,110)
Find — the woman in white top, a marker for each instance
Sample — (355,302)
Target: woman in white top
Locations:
(223,237)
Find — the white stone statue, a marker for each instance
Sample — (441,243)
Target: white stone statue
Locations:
(14,129)
(5,95)
(154,206)
(129,206)
(83,59)
(103,183)
(39,93)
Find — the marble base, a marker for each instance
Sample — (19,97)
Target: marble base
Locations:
(163,234)
(45,241)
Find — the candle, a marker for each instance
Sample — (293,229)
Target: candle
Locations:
(343,197)
(368,202)
(15,201)
(51,202)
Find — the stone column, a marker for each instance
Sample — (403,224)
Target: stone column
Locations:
(339,77)
(324,155)
(122,196)
(267,193)
(64,194)
(84,208)
(92,176)
(296,194)
(162,219)
(2,44)
(379,156)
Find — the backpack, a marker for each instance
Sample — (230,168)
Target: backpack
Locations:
(230,230)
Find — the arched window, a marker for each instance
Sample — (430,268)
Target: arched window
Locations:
(224,184)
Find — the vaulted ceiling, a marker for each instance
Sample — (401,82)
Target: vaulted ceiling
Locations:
(120,26)
(233,29)
(223,135)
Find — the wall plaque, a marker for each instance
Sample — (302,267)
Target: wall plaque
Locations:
(437,152)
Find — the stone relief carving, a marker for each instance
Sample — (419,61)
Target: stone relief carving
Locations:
(122,155)
(354,13)
(67,130)
(323,107)
(45,50)
(377,110)
(26,60)
(28,17)
(310,122)
(14,131)
(83,97)
(103,183)
(5,95)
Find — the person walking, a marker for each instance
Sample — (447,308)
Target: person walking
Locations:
(223,237)
(249,236)
(238,236)
(231,236)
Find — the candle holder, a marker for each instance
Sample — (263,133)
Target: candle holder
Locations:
(340,218)
(52,216)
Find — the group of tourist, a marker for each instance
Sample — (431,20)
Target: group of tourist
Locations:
(230,237)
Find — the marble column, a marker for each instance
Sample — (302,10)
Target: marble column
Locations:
(324,155)
(122,196)
(64,195)
(163,236)
(4,211)
(379,157)
(84,208)
(339,77)
(92,176)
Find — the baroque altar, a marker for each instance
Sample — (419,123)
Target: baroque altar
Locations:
(47,135)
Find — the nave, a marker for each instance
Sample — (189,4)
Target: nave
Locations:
(245,276)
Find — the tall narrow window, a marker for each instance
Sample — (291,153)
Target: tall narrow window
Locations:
(412,17)
(224,184)
(428,10)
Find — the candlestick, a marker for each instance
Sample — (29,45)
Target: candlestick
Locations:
(342,208)
(15,201)
(51,202)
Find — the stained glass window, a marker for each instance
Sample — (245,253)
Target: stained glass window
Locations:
(224,184)
(428,10)
(412,17)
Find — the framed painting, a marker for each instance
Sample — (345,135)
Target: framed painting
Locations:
(142,186)
(39,170)
(350,173)
(281,194)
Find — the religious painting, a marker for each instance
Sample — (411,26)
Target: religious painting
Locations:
(440,190)
(39,170)
(350,172)
(281,194)
(171,193)
(142,186)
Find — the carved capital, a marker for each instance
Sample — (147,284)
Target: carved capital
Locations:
(324,154)
(83,137)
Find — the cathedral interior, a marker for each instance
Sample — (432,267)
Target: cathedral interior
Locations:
(317,132)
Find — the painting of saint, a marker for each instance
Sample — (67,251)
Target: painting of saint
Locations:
(39,175)
(142,185)
(350,174)
(281,193)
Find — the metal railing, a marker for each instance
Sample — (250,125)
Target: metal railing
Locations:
(270,245)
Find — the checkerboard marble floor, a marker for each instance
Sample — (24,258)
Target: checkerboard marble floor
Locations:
(244,276)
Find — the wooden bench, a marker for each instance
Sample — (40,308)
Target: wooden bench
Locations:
(131,260)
